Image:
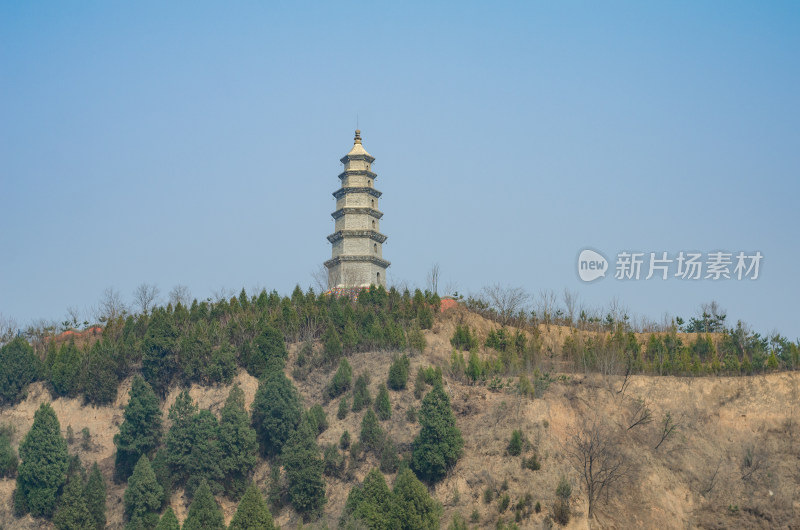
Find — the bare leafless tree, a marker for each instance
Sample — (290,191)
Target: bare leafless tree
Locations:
(432,279)
(180,295)
(8,329)
(640,414)
(570,304)
(546,304)
(319,278)
(506,302)
(145,296)
(596,456)
(669,427)
(110,307)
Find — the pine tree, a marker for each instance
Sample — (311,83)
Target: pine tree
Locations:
(95,495)
(168,521)
(344,408)
(383,407)
(43,467)
(143,495)
(303,465)
(179,441)
(72,512)
(163,474)
(204,513)
(252,513)
(332,345)
(140,432)
(276,412)
(18,367)
(238,443)
(100,378)
(65,372)
(206,456)
(439,443)
(350,338)
(412,507)
(372,436)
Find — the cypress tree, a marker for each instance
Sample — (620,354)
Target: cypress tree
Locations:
(344,408)
(158,352)
(304,467)
(180,440)
(65,372)
(100,378)
(18,367)
(95,495)
(382,406)
(317,419)
(332,345)
(398,373)
(143,495)
(341,380)
(168,521)
(267,354)
(72,512)
(204,513)
(361,397)
(412,507)
(140,432)
(276,412)
(372,436)
(370,503)
(238,443)
(206,456)
(43,468)
(252,513)
(9,462)
(439,443)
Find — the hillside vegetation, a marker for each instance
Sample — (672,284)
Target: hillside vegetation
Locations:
(383,412)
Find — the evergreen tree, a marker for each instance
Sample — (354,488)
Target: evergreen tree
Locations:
(100,378)
(370,503)
(276,412)
(238,443)
(344,407)
(65,372)
(398,373)
(439,443)
(382,406)
(95,495)
(158,352)
(140,432)
(18,367)
(143,495)
(332,345)
(361,397)
(304,467)
(163,474)
(372,436)
(72,513)
(179,441)
(412,507)
(267,354)
(341,380)
(43,468)
(204,513)
(350,338)
(168,521)
(9,462)
(206,456)
(317,419)
(252,513)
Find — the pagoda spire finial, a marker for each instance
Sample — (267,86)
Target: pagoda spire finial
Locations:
(357,139)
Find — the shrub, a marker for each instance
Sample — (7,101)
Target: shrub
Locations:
(564,488)
(344,440)
(416,339)
(475,516)
(532,463)
(334,462)
(561,512)
(488,495)
(372,435)
(515,444)
(388,459)
(419,384)
(502,504)
(398,373)
(411,414)
(8,458)
(463,338)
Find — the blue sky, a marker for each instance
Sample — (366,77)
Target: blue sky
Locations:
(198,143)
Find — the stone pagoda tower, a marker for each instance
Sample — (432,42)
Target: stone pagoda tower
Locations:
(357,254)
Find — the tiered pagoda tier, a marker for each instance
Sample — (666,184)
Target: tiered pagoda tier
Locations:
(357,253)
